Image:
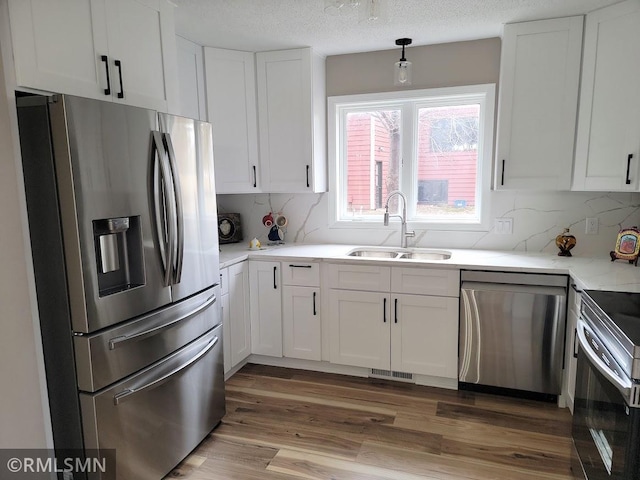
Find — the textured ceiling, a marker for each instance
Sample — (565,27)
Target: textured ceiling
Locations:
(256,25)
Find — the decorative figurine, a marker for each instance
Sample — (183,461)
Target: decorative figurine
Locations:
(565,242)
(627,245)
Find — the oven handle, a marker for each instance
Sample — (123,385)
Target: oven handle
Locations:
(624,387)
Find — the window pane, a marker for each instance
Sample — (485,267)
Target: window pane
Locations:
(372,161)
(447,162)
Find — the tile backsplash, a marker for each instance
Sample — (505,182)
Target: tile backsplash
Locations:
(538,217)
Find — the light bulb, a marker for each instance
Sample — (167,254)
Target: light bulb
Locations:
(402,73)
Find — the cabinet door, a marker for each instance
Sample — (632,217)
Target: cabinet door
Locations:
(301,322)
(424,335)
(571,347)
(240,322)
(226,332)
(285,118)
(540,72)
(142,40)
(266,308)
(58,44)
(192,99)
(359,329)
(232,110)
(608,136)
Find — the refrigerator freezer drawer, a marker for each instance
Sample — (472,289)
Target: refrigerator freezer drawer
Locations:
(105,358)
(155,418)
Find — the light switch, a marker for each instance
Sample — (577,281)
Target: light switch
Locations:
(503,226)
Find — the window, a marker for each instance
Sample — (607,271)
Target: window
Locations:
(434,145)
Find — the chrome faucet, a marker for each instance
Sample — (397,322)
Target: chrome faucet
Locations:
(403,225)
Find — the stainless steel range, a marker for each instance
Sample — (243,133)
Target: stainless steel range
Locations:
(606,422)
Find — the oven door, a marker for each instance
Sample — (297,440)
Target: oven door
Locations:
(604,427)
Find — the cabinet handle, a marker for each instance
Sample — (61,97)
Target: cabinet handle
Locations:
(575,342)
(307,176)
(502,177)
(107,91)
(627,179)
(395,310)
(118,64)
(384,309)
(275,286)
(575,288)
(299,266)
(255,178)
(314,303)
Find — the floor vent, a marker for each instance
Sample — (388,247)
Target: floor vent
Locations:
(403,376)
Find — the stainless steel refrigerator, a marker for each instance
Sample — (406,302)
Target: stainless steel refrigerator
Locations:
(123,225)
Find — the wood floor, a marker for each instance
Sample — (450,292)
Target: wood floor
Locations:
(292,424)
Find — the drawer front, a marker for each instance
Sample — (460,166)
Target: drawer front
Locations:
(105,357)
(156,417)
(426,281)
(360,277)
(303,274)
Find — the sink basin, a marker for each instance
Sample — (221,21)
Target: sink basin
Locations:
(400,254)
(364,252)
(424,255)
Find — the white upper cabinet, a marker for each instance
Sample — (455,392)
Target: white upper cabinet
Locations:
(231,102)
(291,119)
(116,50)
(539,80)
(193,103)
(608,136)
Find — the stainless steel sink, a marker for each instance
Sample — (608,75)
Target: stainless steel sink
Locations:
(364,252)
(423,255)
(400,254)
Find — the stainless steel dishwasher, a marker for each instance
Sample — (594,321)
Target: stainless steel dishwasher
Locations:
(512,330)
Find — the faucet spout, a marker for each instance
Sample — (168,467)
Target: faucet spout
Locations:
(404,233)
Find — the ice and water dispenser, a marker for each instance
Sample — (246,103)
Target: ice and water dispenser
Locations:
(119,256)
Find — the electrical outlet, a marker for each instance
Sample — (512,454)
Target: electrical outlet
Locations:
(503,226)
(591,226)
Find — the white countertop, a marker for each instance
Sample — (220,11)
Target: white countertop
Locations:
(588,273)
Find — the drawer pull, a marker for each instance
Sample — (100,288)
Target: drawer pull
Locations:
(156,382)
(299,266)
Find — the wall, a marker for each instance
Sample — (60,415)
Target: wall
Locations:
(538,216)
(24,414)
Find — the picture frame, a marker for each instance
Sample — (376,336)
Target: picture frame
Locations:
(627,246)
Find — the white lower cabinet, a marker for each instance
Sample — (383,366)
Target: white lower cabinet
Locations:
(301,310)
(571,348)
(390,330)
(301,326)
(424,335)
(266,308)
(359,326)
(235,314)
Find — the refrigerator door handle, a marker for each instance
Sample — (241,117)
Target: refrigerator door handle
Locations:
(123,339)
(160,188)
(178,219)
(156,382)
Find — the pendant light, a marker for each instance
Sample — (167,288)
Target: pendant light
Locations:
(402,68)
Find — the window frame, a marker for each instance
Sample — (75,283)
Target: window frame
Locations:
(409,102)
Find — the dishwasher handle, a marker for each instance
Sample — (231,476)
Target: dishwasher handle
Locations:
(500,287)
